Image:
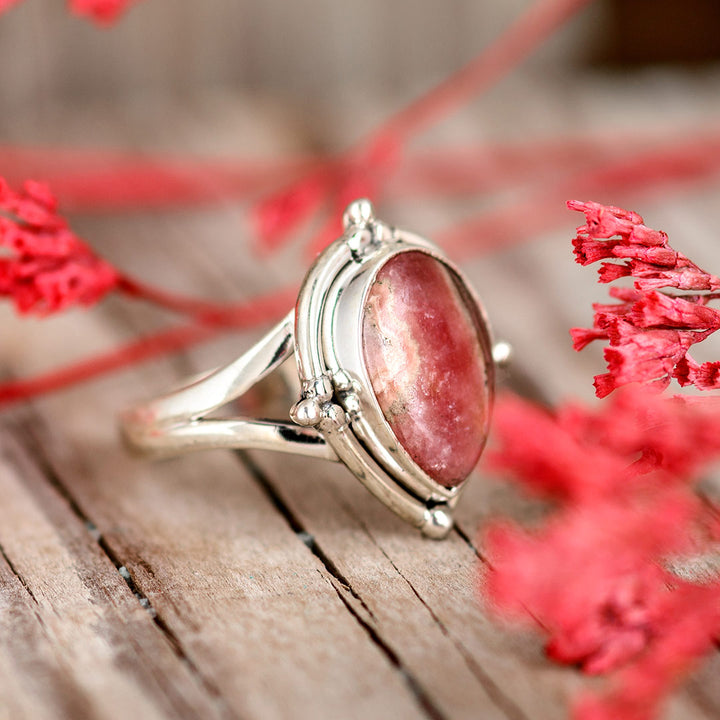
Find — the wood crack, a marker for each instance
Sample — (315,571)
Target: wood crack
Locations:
(297,527)
(511,710)
(44,464)
(465,537)
(416,688)
(159,622)
(342,587)
(17,574)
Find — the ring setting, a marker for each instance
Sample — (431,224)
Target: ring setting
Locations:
(395,363)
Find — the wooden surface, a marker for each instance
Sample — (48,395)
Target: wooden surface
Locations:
(254,586)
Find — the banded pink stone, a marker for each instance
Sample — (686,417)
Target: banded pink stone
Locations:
(424,354)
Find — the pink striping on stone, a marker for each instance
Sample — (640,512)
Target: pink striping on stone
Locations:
(424,354)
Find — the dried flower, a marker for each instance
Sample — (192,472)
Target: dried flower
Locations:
(576,454)
(591,577)
(101,11)
(645,432)
(649,333)
(594,575)
(689,629)
(550,461)
(7,4)
(46,268)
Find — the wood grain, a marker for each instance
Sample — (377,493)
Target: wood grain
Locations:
(249,609)
(75,639)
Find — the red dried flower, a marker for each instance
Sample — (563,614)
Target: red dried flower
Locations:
(649,332)
(7,4)
(689,631)
(645,431)
(579,455)
(101,11)
(46,268)
(594,575)
(550,460)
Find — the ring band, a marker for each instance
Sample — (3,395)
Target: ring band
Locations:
(395,362)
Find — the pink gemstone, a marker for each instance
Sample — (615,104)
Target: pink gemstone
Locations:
(424,354)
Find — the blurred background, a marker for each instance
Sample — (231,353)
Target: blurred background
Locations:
(276,80)
(313,61)
(321,70)
(311,57)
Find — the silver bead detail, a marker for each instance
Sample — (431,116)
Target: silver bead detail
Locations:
(358,213)
(321,388)
(306,412)
(438,523)
(351,403)
(502,352)
(342,381)
(360,241)
(333,418)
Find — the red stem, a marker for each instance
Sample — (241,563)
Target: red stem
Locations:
(377,156)
(102,181)
(641,174)
(204,311)
(237,316)
(167,341)
(534,26)
(92,181)
(450,171)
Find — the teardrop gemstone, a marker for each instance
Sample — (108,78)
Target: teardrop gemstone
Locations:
(423,351)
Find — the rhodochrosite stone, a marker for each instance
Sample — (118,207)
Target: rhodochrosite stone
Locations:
(424,354)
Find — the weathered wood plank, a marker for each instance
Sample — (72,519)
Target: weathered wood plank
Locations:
(319,50)
(380,593)
(75,639)
(255,613)
(421,595)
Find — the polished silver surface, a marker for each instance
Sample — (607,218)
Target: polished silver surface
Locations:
(176,422)
(337,416)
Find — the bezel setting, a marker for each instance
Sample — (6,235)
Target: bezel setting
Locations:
(337,392)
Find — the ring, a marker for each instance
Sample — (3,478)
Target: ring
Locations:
(395,363)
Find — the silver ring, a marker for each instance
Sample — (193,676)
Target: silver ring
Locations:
(395,362)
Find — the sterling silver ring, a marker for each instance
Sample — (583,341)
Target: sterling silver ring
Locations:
(395,363)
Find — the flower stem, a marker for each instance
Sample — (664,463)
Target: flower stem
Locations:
(174,339)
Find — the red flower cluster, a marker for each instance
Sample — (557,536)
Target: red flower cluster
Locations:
(7,4)
(46,267)
(595,576)
(101,11)
(649,332)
